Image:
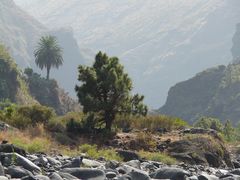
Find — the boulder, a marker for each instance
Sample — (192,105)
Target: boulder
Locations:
(10,148)
(128,155)
(42,177)
(67,176)
(201,150)
(8,158)
(55,176)
(138,175)
(75,163)
(3,178)
(206,176)
(170,173)
(1,170)
(53,161)
(17,172)
(85,173)
(235,171)
(134,163)
(112,164)
(91,163)
(111,175)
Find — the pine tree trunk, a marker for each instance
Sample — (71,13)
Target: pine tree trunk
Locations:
(109,120)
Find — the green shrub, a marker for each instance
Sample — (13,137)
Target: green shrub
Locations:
(25,116)
(143,140)
(32,146)
(209,123)
(63,123)
(87,124)
(55,125)
(95,153)
(73,126)
(37,114)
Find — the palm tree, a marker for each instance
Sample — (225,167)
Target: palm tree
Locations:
(48,54)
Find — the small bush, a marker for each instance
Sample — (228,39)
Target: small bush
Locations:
(23,117)
(39,145)
(143,140)
(159,157)
(63,123)
(209,123)
(36,113)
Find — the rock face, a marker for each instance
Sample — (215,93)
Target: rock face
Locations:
(191,98)
(212,93)
(12,85)
(204,150)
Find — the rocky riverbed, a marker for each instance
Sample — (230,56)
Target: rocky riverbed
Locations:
(17,164)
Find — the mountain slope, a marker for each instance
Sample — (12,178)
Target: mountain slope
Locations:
(12,85)
(20,33)
(214,92)
(160,42)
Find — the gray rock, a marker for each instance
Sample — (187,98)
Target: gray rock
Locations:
(111,175)
(138,175)
(124,177)
(1,170)
(29,178)
(67,176)
(128,155)
(42,177)
(205,176)
(42,162)
(134,163)
(112,165)
(91,163)
(17,172)
(230,177)
(9,158)
(53,162)
(192,178)
(85,173)
(55,176)
(3,178)
(75,163)
(235,171)
(10,148)
(170,173)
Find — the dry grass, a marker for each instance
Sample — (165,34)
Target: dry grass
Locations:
(30,142)
(36,139)
(152,123)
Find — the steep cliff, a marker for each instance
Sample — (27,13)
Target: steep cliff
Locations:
(12,84)
(214,92)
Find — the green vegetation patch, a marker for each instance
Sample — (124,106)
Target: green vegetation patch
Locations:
(159,157)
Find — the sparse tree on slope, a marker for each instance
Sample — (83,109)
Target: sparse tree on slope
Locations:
(48,54)
(106,89)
